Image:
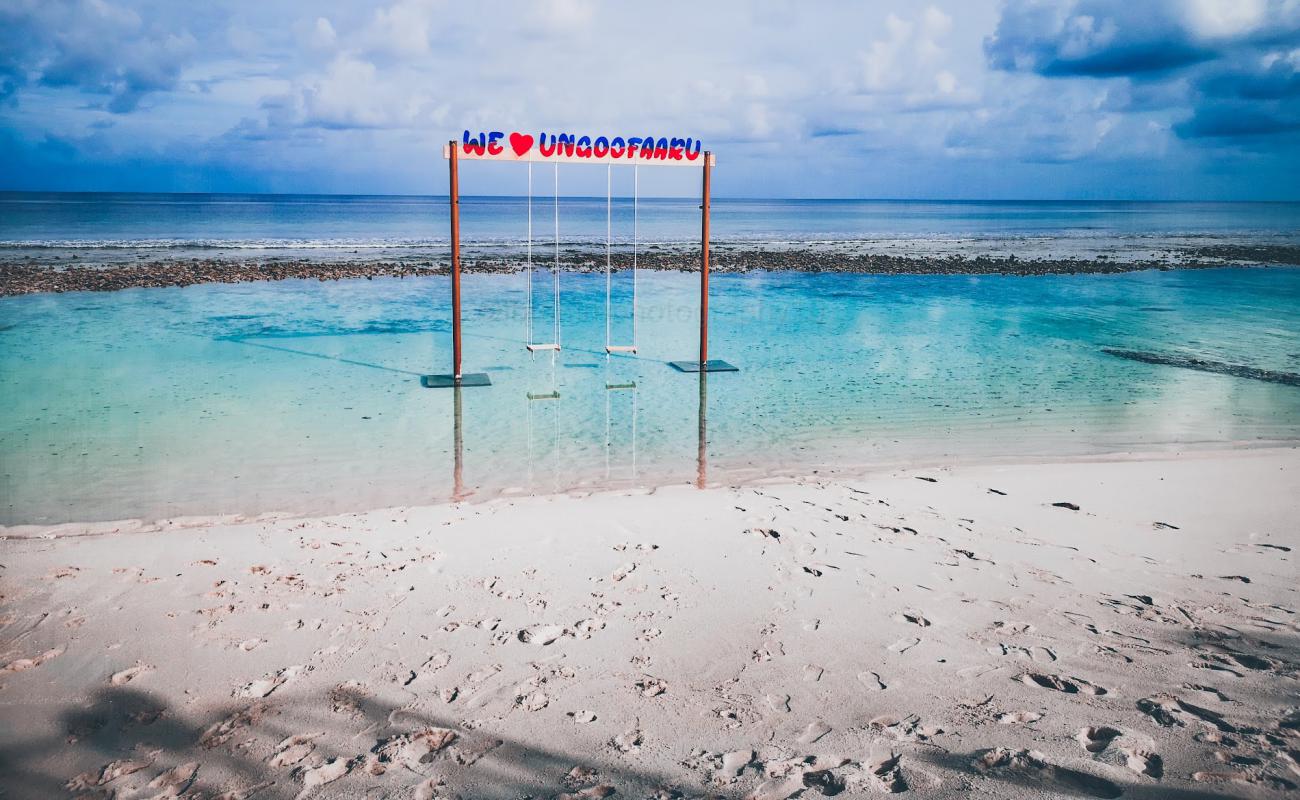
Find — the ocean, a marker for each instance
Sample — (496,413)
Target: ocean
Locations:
(56,227)
(304,396)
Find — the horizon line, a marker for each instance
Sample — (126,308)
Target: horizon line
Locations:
(715,198)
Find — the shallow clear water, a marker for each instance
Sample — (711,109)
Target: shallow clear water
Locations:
(304,396)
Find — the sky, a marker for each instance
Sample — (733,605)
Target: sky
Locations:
(963,99)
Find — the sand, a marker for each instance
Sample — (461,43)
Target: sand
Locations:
(1088,629)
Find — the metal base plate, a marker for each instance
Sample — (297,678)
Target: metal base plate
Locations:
(712,365)
(450,381)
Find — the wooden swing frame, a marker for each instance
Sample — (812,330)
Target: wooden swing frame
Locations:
(458,378)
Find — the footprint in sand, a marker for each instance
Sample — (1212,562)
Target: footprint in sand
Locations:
(1019,717)
(110,772)
(1060,684)
(412,749)
(733,764)
(1097,739)
(21,664)
(264,686)
(1043,655)
(590,793)
(1209,691)
(872,681)
(1143,762)
(1167,711)
(779,703)
(129,674)
(246,793)
(347,698)
(293,749)
(1032,767)
(583,716)
(788,778)
(913,618)
(328,772)
(220,732)
(813,673)
(533,701)
(429,666)
(904,644)
(651,687)
(541,635)
(176,781)
(579,776)
(814,731)
(628,741)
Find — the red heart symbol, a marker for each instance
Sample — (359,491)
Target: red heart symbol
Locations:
(521,143)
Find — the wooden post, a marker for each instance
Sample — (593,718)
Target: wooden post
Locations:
(456,378)
(455,262)
(704,265)
(704,364)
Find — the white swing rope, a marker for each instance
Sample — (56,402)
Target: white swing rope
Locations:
(635,192)
(555,274)
(609,199)
(529,303)
(611,348)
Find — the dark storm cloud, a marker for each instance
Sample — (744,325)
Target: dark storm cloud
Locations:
(1237,120)
(1233,66)
(1098,38)
(95,47)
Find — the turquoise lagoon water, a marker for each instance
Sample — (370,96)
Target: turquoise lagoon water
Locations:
(303,396)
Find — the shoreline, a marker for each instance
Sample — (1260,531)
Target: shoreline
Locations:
(1100,630)
(35,276)
(796,474)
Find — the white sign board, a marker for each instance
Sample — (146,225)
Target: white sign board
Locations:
(566,148)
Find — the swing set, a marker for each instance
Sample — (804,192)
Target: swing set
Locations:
(580,150)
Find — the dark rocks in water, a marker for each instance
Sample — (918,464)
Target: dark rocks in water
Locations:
(1206,365)
(1071,506)
(30,276)
(30,279)
(1250,253)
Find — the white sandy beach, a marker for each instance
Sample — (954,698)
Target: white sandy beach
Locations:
(939,632)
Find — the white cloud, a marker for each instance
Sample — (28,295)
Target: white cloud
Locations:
(331,87)
(403,29)
(1219,18)
(322,34)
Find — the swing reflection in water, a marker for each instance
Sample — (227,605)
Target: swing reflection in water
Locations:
(620,389)
(702,435)
(532,397)
(458,492)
